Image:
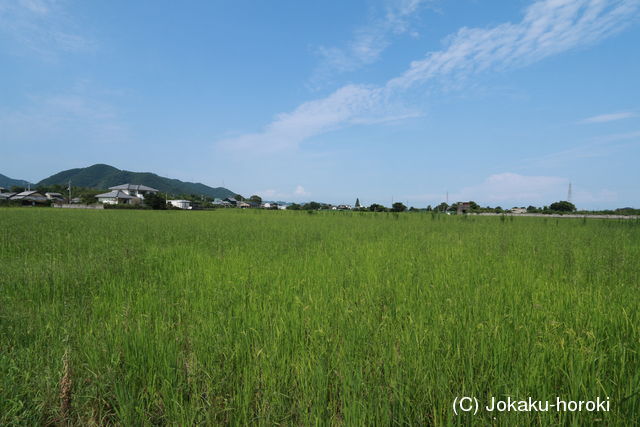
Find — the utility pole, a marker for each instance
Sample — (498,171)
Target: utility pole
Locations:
(69,189)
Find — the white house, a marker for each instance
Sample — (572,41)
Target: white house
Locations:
(125,194)
(180,204)
(55,197)
(117,197)
(136,190)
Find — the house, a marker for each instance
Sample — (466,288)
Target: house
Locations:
(243,205)
(463,208)
(6,196)
(136,190)
(231,201)
(117,197)
(518,210)
(54,197)
(180,204)
(29,196)
(221,203)
(125,194)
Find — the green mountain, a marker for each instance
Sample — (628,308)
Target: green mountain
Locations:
(104,176)
(7,182)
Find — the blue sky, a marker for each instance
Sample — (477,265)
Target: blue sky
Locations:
(501,102)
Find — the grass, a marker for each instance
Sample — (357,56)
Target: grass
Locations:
(237,317)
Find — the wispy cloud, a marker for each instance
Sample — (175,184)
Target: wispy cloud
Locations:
(604,118)
(80,113)
(298,193)
(508,189)
(369,41)
(600,146)
(515,188)
(549,27)
(348,105)
(40,27)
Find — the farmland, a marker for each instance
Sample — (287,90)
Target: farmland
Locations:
(236,317)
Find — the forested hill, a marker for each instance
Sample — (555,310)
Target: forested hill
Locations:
(104,176)
(7,182)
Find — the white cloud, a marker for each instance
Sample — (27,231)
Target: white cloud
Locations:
(40,27)
(511,189)
(604,118)
(369,41)
(300,191)
(81,113)
(548,27)
(515,189)
(600,146)
(508,189)
(349,105)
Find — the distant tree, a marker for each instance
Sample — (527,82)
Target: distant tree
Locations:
(398,207)
(294,207)
(498,209)
(17,189)
(532,209)
(155,201)
(377,208)
(429,208)
(442,207)
(562,206)
(256,199)
(357,205)
(474,206)
(311,206)
(238,197)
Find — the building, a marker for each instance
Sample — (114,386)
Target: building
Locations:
(463,208)
(29,196)
(6,196)
(125,194)
(180,204)
(221,203)
(136,190)
(518,210)
(117,197)
(54,197)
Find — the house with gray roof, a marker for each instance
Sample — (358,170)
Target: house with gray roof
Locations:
(29,196)
(117,197)
(125,194)
(136,190)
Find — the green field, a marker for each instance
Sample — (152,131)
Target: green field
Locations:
(237,317)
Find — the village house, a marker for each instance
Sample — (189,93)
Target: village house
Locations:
(29,196)
(135,190)
(180,204)
(125,194)
(54,197)
(117,197)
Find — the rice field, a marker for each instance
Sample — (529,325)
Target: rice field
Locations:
(332,318)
